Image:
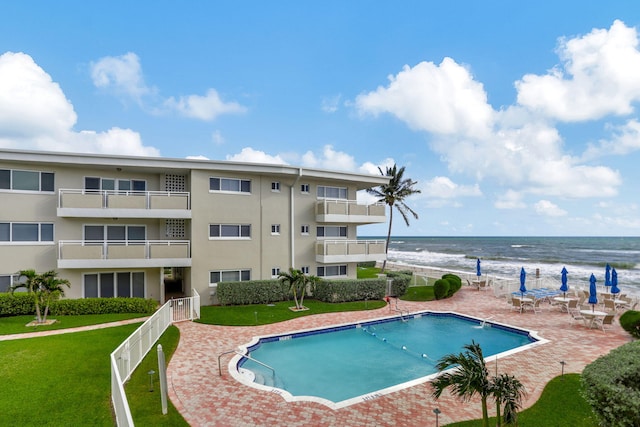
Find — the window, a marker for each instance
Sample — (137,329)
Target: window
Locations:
(230,185)
(275,229)
(7,280)
(304,229)
(275,186)
(26,232)
(97,183)
(304,188)
(226,231)
(332,231)
(275,271)
(115,232)
(109,285)
(20,180)
(332,270)
(229,276)
(332,192)
(305,269)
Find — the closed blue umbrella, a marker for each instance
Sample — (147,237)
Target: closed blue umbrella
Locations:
(478,271)
(593,297)
(564,288)
(614,282)
(607,275)
(523,279)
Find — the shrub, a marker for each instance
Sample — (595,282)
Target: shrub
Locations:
(630,322)
(441,288)
(611,386)
(17,304)
(455,283)
(252,292)
(400,282)
(102,306)
(350,290)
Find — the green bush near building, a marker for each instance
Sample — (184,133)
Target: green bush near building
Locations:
(22,303)
(630,322)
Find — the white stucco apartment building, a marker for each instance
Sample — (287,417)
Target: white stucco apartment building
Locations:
(155,227)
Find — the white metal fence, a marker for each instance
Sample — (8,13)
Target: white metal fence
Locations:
(126,358)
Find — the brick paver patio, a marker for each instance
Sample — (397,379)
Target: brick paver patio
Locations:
(206,399)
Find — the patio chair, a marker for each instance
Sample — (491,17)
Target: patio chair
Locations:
(609,305)
(516,304)
(576,316)
(536,305)
(605,322)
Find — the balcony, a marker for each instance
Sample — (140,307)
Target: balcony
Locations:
(349,212)
(124,254)
(334,251)
(73,203)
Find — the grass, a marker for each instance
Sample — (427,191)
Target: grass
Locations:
(17,324)
(368,272)
(419,293)
(560,405)
(59,380)
(146,406)
(263,314)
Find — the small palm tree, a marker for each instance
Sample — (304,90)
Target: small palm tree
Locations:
(507,392)
(394,194)
(30,280)
(51,288)
(470,377)
(295,279)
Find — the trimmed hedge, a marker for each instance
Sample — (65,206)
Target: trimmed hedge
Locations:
(455,283)
(22,304)
(441,288)
(630,322)
(611,386)
(252,292)
(401,281)
(350,290)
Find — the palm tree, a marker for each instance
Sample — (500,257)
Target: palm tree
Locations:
(468,379)
(393,194)
(51,288)
(30,280)
(507,391)
(297,284)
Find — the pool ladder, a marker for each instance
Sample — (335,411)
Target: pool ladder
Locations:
(246,356)
(399,310)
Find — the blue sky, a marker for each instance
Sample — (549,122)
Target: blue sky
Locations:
(515,119)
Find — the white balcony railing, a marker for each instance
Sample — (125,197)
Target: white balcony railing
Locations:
(340,210)
(330,251)
(124,253)
(77,202)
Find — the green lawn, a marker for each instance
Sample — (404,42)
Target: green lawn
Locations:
(263,314)
(561,405)
(60,380)
(17,324)
(418,293)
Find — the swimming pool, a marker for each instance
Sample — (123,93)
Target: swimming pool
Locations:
(345,364)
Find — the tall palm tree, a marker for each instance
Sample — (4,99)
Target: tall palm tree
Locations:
(297,284)
(394,194)
(470,377)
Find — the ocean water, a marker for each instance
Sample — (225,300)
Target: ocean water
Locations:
(505,256)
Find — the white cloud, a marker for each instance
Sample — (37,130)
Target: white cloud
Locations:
(217,137)
(35,114)
(330,104)
(510,200)
(249,155)
(204,108)
(442,99)
(625,140)
(599,76)
(372,169)
(443,188)
(546,208)
(329,159)
(199,157)
(122,74)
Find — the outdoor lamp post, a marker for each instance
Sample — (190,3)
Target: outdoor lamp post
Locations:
(437,412)
(151,372)
(562,363)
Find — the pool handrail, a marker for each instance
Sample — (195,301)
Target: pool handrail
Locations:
(246,356)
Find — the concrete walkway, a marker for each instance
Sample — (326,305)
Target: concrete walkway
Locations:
(206,399)
(70,330)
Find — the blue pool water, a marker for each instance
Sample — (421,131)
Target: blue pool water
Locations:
(360,360)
